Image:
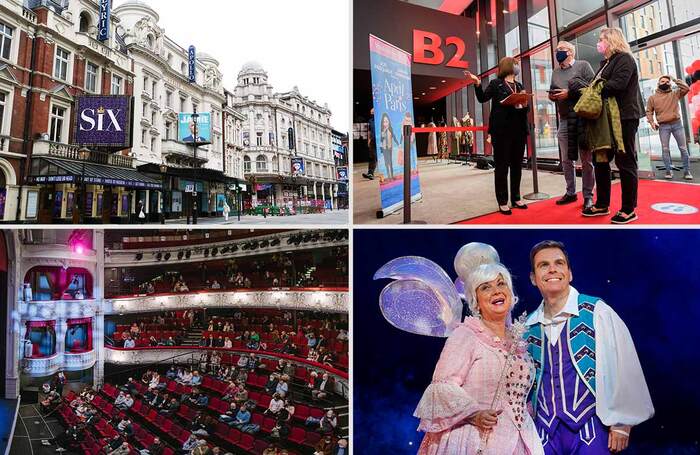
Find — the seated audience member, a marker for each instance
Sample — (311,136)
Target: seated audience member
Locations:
(170,342)
(123,449)
(242,417)
(215,285)
(124,401)
(156,448)
(230,391)
(129,343)
(125,428)
(324,446)
(276,405)
(170,408)
(321,387)
(242,362)
(341,447)
(252,362)
(342,336)
(313,355)
(190,444)
(241,396)
(156,400)
(219,343)
(70,439)
(283,386)
(271,384)
(204,342)
(171,373)
(228,343)
(152,341)
(230,413)
(328,422)
(52,400)
(196,378)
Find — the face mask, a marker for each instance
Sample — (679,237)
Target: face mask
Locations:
(516,70)
(561,56)
(602,47)
(664,87)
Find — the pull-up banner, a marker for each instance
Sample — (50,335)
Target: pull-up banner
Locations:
(393,108)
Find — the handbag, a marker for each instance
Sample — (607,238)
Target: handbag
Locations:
(590,104)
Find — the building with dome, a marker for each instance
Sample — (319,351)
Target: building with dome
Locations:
(163,90)
(269,117)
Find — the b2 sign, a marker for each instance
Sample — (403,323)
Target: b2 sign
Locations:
(428,42)
(103,121)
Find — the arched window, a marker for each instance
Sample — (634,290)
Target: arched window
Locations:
(246,163)
(183,68)
(261,163)
(85,22)
(275,164)
(57,283)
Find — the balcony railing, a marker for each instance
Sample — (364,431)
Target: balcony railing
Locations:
(53,310)
(47,366)
(72,152)
(4,144)
(170,146)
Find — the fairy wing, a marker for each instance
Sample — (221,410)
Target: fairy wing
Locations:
(422,298)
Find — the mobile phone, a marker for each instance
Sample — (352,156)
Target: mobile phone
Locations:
(556,90)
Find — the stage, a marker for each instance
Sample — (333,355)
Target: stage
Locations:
(660,202)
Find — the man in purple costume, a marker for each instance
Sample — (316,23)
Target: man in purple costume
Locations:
(590,388)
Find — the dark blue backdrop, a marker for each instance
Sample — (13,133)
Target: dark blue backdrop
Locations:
(650,277)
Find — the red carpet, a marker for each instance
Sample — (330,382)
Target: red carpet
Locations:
(650,192)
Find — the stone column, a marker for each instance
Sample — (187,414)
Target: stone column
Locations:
(98,292)
(13,319)
(323,193)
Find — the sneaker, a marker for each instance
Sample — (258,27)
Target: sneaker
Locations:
(623,218)
(688,176)
(567,199)
(595,211)
(669,175)
(368,176)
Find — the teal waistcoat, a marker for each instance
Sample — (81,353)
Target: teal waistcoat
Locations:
(580,334)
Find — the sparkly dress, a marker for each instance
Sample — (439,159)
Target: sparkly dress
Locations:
(466,378)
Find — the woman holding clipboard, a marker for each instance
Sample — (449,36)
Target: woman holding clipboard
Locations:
(508,127)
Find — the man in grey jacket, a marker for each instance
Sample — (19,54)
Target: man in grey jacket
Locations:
(565,98)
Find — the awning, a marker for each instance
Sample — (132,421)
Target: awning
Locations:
(209,175)
(95,174)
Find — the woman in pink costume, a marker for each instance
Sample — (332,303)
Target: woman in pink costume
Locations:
(477,401)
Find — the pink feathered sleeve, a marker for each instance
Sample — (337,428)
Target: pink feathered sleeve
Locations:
(445,403)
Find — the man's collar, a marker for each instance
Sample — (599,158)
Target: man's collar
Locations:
(571,307)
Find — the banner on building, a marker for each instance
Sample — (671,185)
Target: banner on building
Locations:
(393,108)
(103,121)
(298,166)
(192,64)
(342,173)
(104,20)
(186,128)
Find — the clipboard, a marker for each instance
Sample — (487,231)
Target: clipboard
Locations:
(516,99)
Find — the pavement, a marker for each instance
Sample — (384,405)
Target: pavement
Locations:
(329,218)
(451,193)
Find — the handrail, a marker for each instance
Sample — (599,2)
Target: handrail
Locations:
(320,366)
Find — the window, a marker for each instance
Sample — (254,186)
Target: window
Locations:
(60,69)
(91,71)
(143,137)
(116,84)
(154,86)
(168,132)
(58,117)
(183,68)
(275,164)
(84,22)
(183,101)
(246,164)
(169,98)
(145,83)
(261,163)
(153,117)
(145,109)
(259,138)
(153,144)
(5,40)
(3,100)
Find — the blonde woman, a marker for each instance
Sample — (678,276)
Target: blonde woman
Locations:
(619,71)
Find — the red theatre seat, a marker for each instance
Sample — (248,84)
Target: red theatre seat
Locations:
(297,435)
(246,443)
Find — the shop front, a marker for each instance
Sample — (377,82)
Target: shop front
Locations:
(75,191)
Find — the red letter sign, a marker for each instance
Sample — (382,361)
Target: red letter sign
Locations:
(433,46)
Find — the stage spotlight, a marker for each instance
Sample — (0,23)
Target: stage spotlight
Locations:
(315,237)
(234,248)
(159,256)
(245,246)
(188,253)
(307,238)
(214,251)
(254,246)
(167,256)
(180,254)
(139,256)
(224,250)
(290,240)
(264,244)
(297,240)
(275,242)
(206,252)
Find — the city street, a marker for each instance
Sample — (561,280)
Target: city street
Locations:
(335,217)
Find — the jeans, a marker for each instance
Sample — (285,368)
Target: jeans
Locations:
(372,159)
(665,132)
(388,161)
(588,178)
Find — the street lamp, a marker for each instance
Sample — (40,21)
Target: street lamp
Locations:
(195,117)
(163,170)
